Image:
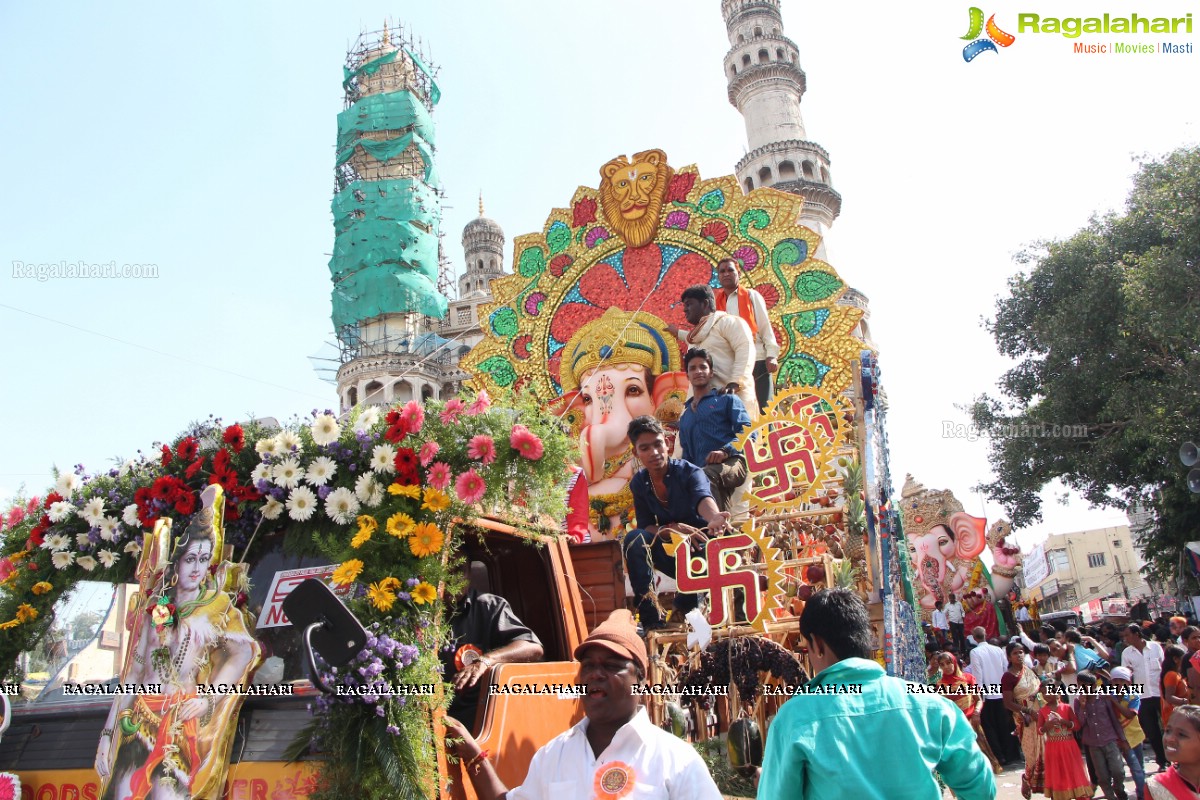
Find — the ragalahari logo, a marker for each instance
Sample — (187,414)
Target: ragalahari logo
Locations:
(995,36)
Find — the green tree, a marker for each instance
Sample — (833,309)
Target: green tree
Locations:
(1105,331)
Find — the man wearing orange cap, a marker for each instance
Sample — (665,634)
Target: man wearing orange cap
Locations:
(615,751)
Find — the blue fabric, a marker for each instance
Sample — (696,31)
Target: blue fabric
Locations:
(687,485)
(883,744)
(711,422)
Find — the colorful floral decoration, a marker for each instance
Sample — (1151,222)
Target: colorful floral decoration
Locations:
(377,494)
(589,258)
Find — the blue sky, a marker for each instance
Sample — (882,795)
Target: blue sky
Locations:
(200,139)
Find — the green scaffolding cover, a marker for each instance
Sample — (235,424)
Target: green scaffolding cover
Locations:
(371,67)
(385,253)
(393,111)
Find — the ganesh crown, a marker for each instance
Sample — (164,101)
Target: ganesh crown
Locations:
(619,337)
(924,509)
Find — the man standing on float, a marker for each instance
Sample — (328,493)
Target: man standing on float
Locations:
(747,303)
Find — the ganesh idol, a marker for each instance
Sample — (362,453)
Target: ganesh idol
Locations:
(945,542)
(620,366)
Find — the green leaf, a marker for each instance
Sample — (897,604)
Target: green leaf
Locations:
(532,262)
(558,238)
(814,285)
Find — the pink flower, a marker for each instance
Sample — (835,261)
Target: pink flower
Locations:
(482,448)
(438,476)
(481,404)
(470,487)
(525,442)
(413,416)
(6,569)
(429,452)
(452,411)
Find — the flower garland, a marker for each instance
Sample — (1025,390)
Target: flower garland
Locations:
(377,494)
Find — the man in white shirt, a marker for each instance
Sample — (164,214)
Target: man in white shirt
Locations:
(726,338)
(954,615)
(988,663)
(614,746)
(1145,660)
(742,301)
(941,624)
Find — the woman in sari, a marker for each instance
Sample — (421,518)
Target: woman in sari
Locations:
(959,687)
(1021,688)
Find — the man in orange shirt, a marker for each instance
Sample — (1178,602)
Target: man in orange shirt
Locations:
(747,303)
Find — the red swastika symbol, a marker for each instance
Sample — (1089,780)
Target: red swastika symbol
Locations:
(788,456)
(717,572)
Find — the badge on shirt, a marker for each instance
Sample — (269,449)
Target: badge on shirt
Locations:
(613,780)
(466,655)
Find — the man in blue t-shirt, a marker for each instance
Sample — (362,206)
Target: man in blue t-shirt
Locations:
(709,428)
(668,494)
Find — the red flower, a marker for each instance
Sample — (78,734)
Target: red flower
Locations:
(408,476)
(142,496)
(395,433)
(53,497)
(405,460)
(245,494)
(194,467)
(162,488)
(228,480)
(392,417)
(36,537)
(221,460)
(583,213)
(166,456)
(715,232)
(231,510)
(186,504)
(235,437)
(681,184)
(559,264)
(187,448)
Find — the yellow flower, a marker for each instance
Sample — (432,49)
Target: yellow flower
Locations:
(405,490)
(390,583)
(400,525)
(381,597)
(426,540)
(26,613)
(41,587)
(436,500)
(423,593)
(19,556)
(366,526)
(12,623)
(345,574)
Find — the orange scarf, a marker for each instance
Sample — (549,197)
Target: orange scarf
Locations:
(745,307)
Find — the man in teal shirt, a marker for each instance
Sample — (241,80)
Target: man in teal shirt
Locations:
(859,733)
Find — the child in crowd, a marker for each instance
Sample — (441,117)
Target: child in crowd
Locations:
(1181,741)
(1103,736)
(1065,776)
(1128,705)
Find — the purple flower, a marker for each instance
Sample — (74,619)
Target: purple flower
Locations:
(323,491)
(411,582)
(595,236)
(393,730)
(748,256)
(379,712)
(677,219)
(403,597)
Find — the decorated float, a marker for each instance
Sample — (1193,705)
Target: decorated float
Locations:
(378,503)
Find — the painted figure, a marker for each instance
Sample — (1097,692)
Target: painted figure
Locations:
(187,633)
(944,540)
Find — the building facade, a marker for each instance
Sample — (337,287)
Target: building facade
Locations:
(1090,565)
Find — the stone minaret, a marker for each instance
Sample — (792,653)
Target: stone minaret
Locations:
(483,251)
(766,83)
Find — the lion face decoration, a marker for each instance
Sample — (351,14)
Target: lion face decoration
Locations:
(631,195)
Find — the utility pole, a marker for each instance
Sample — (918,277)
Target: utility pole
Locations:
(1121,575)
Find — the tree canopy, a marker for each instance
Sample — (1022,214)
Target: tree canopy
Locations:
(1105,331)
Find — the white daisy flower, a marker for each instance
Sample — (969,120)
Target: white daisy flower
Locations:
(301,504)
(93,511)
(367,419)
(267,446)
(108,558)
(109,528)
(135,547)
(321,470)
(130,516)
(261,473)
(341,506)
(287,473)
(325,429)
(288,441)
(82,539)
(382,459)
(67,484)
(62,559)
(55,541)
(365,486)
(272,508)
(60,511)
(377,495)
(87,562)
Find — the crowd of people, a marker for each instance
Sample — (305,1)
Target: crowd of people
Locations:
(1078,711)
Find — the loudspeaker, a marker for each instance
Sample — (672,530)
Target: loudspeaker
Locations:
(337,634)
(1189,454)
(1194,481)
